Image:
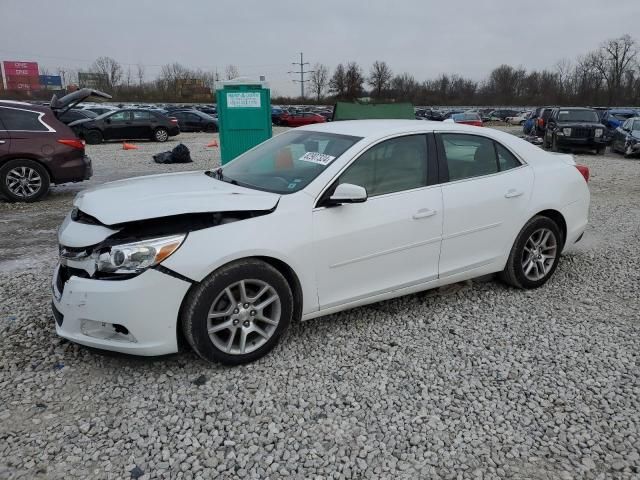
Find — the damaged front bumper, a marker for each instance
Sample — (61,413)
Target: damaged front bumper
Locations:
(138,315)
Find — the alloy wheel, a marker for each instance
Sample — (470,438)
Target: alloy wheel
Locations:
(23,182)
(539,254)
(244,316)
(161,135)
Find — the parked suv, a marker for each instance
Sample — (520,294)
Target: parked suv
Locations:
(574,127)
(37,149)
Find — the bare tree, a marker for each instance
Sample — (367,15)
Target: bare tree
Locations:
(380,78)
(140,73)
(319,80)
(231,72)
(613,60)
(338,83)
(109,69)
(353,80)
(172,77)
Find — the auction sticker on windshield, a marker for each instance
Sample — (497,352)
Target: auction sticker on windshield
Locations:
(319,158)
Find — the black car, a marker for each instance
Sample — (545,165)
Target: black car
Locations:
(127,124)
(195,121)
(626,138)
(574,128)
(76,114)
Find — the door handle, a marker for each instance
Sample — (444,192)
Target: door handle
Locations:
(513,193)
(424,213)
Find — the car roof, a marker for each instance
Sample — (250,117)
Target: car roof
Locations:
(382,128)
(24,105)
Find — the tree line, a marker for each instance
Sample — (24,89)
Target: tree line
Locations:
(609,75)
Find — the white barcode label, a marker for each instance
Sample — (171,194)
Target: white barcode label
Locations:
(319,158)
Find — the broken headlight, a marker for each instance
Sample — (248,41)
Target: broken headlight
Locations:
(137,256)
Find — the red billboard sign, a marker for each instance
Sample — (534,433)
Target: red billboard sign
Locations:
(20,69)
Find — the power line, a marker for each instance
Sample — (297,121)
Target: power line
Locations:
(302,73)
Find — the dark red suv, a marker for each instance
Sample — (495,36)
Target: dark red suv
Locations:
(37,149)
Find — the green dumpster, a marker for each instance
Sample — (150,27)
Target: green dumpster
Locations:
(244,117)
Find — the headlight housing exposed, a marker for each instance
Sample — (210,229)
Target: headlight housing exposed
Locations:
(135,257)
(566,131)
(598,132)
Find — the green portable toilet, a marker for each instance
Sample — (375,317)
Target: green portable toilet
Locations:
(244,116)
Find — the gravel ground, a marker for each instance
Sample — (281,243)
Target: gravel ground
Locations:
(476,380)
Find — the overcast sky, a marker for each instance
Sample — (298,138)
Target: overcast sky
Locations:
(422,37)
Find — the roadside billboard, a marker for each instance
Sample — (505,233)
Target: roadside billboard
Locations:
(51,82)
(19,75)
(92,80)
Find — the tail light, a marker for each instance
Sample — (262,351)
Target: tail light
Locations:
(173,120)
(73,143)
(584,170)
(541,122)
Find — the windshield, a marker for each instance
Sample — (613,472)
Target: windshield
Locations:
(578,116)
(289,162)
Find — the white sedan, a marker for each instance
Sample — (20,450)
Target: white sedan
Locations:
(313,221)
(519,119)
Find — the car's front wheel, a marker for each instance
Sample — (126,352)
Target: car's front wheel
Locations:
(238,313)
(23,180)
(161,135)
(534,255)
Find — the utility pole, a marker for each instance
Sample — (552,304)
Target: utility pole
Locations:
(302,73)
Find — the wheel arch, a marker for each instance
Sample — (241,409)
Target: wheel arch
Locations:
(558,219)
(285,269)
(4,160)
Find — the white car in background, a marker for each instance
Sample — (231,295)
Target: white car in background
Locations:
(518,119)
(313,221)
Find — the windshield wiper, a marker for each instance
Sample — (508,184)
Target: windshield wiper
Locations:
(218,175)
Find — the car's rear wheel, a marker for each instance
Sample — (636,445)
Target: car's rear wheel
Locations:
(600,151)
(23,181)
(161,135)
(93,137)
(534,255)
(238,313)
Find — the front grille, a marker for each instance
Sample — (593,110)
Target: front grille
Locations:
(65,273)
(581,132)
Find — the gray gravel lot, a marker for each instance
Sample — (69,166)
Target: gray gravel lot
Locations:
(472,381)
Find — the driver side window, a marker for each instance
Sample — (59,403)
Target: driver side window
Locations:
(391,166)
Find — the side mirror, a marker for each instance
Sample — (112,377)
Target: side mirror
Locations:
(108,120)
(348,193)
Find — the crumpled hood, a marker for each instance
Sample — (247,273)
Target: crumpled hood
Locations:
(163,195)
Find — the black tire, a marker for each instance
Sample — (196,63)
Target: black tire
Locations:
(600,151)
(513,273)
(212,128)
(8,171)
(93,137)
(545,143)
(554,144)
(198,302)
(161,134)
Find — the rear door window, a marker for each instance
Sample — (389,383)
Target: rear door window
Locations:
(20,120)
(140,115)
